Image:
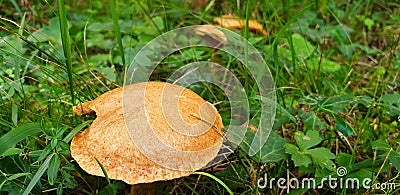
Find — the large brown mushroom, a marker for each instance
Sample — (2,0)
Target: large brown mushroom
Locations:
(109,140)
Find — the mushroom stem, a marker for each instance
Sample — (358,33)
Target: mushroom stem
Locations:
(143,189)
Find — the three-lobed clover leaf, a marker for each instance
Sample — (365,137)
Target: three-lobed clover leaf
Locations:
(307,141)
(304,154)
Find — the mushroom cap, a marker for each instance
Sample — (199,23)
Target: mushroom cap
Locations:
(230,21)
(111,141)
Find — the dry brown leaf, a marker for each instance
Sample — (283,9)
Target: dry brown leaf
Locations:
(230,21)
(108,139)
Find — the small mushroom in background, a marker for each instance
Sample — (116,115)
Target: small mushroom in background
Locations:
(231,21)
(109,140)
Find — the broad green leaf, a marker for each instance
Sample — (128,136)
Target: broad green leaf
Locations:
(35,153)
(63,148)
(145,38)
(100,26)
(113,189)
(338,32)
(129,54)
(392,110)
(370,163)
(361,174)
(363,100)
(101,41)
(109,73)
(302,47)
(16,135)
(60,189)
(108,190)
(12,177)
(312,122)
(291,149)
(325,65)
(395,159)
(53,143)
(278,107)
(345,160)
(272,151)
(309,169)
(99,60)
(12,151)
(38,174)
(52,170)
(285,53)
(395,17)
(14,114)
(322,157)
(299,159)
(343,126)
(45,152)
(68,180)
(158,20)
(390,98)
(48,33)
(235,137)
(367,49)
(17,175)
(144,61)
(380,145)
(307,141)
(347,50)
(321,172)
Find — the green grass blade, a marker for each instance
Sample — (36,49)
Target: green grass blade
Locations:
(246,46)
(5,123)
(16,6)
(278,38)
(115,18)
(66,45)
(147,14)
(38,174)
(106,175)
(216,179)
(16,135)
(31,45)
(71,134)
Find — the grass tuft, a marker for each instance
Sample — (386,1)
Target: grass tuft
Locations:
(66,43)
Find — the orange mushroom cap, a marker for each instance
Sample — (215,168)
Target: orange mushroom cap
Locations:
(109,140)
